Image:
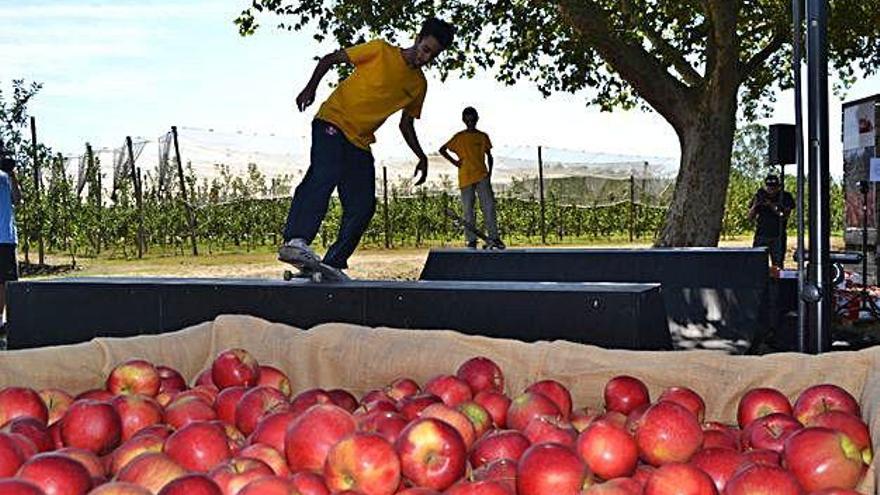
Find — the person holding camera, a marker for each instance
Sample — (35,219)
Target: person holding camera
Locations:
(772,206)
(10,197)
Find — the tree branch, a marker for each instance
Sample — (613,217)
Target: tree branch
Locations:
(653,82)
(758,59)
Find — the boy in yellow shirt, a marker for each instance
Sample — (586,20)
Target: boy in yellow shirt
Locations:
(474,150)
(386,79)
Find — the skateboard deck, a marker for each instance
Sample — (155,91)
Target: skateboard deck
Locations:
(489,243)
(316,272)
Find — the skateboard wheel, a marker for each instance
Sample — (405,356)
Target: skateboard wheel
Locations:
(288,275)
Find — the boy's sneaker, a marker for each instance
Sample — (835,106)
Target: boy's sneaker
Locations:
(297,252)
(472,245)
(496,244)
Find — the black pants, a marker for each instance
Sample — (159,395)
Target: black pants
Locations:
(776,245)
(8,263)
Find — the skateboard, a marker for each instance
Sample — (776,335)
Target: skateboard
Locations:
(489,243)
(316,272)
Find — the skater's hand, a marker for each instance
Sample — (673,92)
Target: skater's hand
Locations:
(421,168)
(305,98)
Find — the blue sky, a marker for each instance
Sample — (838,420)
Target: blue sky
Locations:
(126,67)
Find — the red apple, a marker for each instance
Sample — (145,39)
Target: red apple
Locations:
(634,418)
(273,458)
(760,402)
(432,454)
(478,415)
(343,399)
(226,402)
(550,469)
(818,399)
(624,393)
(56,474)
(135,376)
(235,367)
(91,425)
(152,471)
(416,490)
(499,444)
(232,475)
(170,380)
(271,429)
(719,463)
(120,488)
(479,488)
(769,432)
(556,392)
(134,447)
(453,418)
(762,478)
(98,394)
(34,429)
(162,431)
(581,418)
(718,439)
(481,373)
(57,401)
(17,402)
(12,486)
(668,433)
(275,378)
(527,406)
(500,470)
(402,388)
(191,484)
(186,409)
(451,390)
(679,479)
(836,491)
(608,450)
(207,393)
(548,429)
(136,413)
(411,407)
(822,458)
(617,486)
(364,462)
(55,433)
(308,398)
(256,403)
(311,435)
(204,378)
(687,398)
(643,472)
(269,485)
(848,424)
(763,456)
(387,424)
(198,446)
(309,483)
(93,464)
(496,404)
(386,405)
(375,395)
(11,456)
(25,445)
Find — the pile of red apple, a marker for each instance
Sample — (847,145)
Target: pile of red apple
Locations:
(238,431)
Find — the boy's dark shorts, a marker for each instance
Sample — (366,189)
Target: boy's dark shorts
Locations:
(8,263)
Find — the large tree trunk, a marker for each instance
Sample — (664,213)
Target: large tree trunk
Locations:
(697,210)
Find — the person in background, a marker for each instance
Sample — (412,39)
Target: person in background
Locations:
(10,197)
(771,207)
(473,150)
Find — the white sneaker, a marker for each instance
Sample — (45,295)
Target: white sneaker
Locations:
(297,252)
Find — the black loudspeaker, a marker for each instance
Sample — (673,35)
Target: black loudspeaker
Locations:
(782,144)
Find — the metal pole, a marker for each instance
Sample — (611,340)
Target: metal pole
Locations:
(94,178)
(541,192)
(797,8)
(41,253)
(190,214)
(385,210)
(819,179)
(137,197)
(632,205)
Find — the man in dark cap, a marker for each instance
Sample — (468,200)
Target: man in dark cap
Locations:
(771,206)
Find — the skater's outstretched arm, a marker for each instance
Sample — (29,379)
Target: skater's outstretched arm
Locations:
(307,95)
(490,160)
(412,140)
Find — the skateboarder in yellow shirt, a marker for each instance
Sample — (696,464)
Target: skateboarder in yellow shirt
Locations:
(474,151)
(386,79)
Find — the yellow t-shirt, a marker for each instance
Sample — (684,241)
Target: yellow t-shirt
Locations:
(380,85)
(471,148)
